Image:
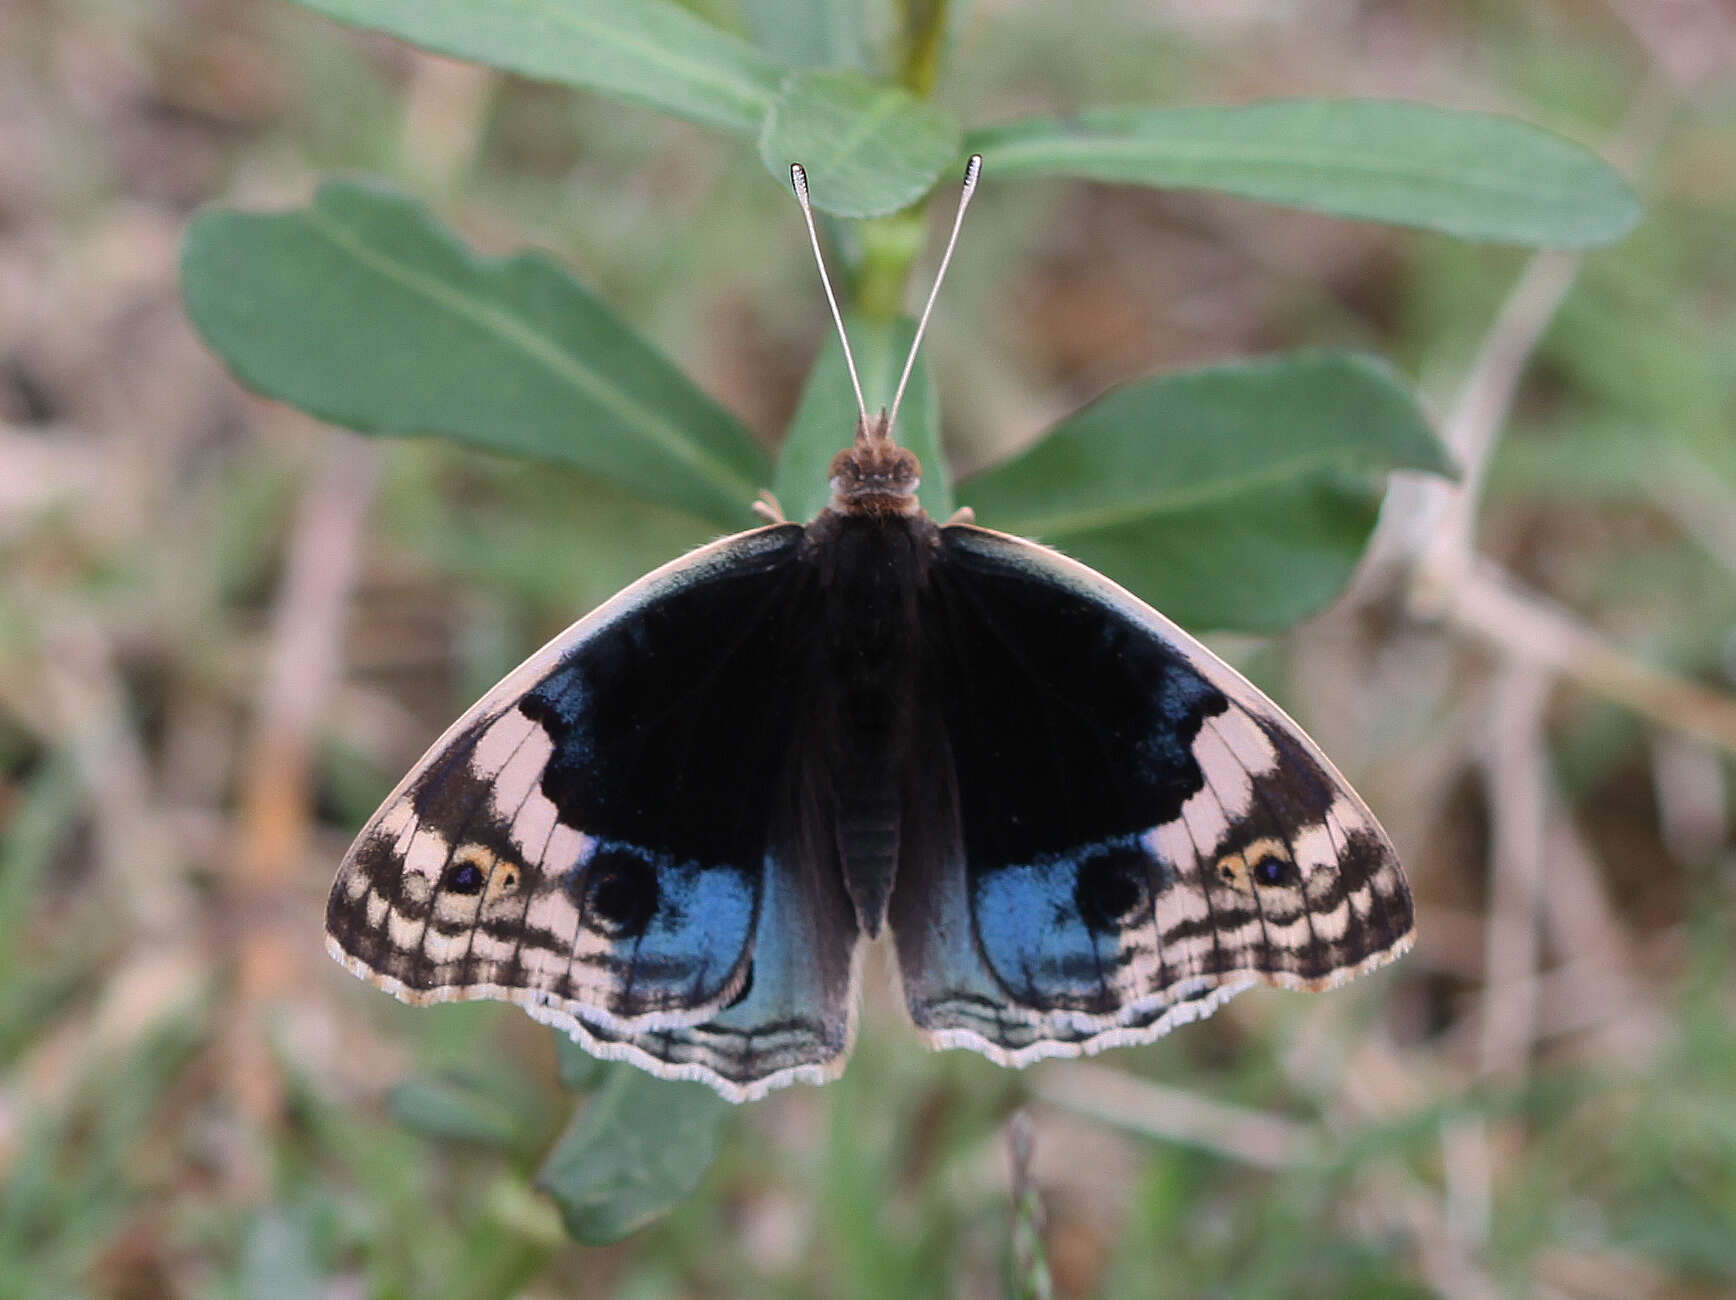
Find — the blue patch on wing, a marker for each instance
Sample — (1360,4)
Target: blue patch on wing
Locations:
(680,929)
(1053,931)
(798,1000)
(794,1015)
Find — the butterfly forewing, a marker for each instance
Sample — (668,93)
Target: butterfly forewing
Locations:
(611,837)
(1114,831)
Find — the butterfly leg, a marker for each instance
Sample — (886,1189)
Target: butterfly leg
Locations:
(963,515)
(767,508)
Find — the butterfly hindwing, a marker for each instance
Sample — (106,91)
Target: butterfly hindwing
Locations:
(610,837)
(796,1017)
(1114,831)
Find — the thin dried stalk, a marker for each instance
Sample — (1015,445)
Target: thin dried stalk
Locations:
(274,823)
(1512,946)
(1253,1137)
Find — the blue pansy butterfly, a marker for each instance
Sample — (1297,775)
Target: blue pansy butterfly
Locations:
(671,832)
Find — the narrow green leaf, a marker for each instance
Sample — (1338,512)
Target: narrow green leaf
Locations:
(639,1148)
(463,1108)
(649,52)
(808,33)
(825,420)
(869,147)
(1231,497)
(365,311)
(1473,175)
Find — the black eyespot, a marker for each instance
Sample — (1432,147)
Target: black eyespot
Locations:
(1273,870)
(618,893)
(1113,889)
(464,878)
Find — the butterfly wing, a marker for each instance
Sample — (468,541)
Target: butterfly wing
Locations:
(1109,830)
(613,838)
(795,1018)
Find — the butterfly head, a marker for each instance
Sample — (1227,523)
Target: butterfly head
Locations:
(874,475)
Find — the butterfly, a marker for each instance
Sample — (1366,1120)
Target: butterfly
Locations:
(674,830)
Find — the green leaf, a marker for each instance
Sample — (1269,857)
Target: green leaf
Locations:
(465,1108)
(868,147)
(1230,497)
(1473,175)
(825,420)
(639,1147)
(579,1070)
(364,311)
(1194,438)
(648,52)
(808,33)
(1253,563)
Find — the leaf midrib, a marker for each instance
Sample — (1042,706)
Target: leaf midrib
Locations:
(759,96)
(750,97)
(536,346)
(1174,500)
(885,104)
(1129,148)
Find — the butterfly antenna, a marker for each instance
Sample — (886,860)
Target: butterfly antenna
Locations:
(971,169)
(799,179)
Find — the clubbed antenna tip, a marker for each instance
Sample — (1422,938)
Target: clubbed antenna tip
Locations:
(971,170)
(799,180)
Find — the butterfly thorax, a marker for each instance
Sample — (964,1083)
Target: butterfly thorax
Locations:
(874,475)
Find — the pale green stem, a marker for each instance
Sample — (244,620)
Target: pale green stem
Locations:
(891,245)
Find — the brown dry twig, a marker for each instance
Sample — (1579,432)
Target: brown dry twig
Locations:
(274,819)
(1430,530)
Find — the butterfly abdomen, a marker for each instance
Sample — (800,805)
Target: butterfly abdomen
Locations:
(872,566)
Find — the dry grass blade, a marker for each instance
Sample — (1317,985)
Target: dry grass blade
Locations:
(274,826)
(1489,605)
(1140,1106)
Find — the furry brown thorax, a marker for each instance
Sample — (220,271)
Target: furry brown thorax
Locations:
(874,475)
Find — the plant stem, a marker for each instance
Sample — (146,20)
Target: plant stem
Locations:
(921,34)
(891,245)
